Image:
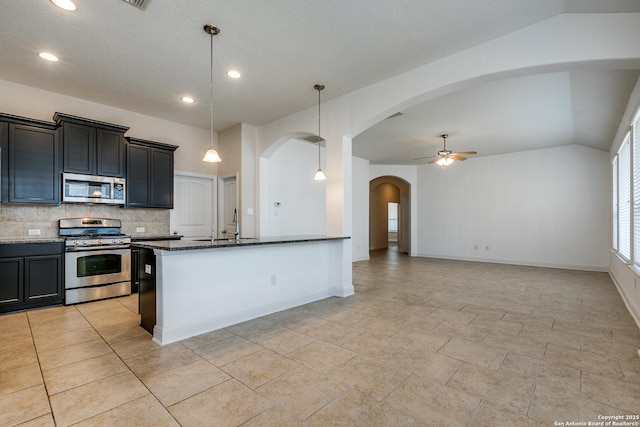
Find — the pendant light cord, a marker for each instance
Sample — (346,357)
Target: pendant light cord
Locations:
(319,137)
(211,94)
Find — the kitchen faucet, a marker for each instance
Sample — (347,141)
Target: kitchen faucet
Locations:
(236,233)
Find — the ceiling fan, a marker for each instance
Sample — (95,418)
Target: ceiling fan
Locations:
(446,157)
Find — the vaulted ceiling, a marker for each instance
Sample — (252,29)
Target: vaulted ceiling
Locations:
(144,60)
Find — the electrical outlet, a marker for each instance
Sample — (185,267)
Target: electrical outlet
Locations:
(274,279)
(34,232)
(139,229)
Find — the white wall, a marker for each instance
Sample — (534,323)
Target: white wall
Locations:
(249,208)
(544,207)
(302,200)
(560,43)
(38,104)
(360,234)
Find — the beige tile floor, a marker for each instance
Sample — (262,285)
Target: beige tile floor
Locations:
(423,342)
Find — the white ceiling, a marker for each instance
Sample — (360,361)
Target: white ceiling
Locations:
(518,114)
(115,54)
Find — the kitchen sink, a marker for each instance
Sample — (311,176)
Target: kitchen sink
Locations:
(232,239)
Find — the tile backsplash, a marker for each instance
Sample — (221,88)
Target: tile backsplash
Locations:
(17,220)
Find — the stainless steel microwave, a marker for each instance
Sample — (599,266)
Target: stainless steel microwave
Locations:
(92,189)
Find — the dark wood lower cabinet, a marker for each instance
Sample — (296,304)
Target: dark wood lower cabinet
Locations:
(147,291)
(12,284)
(31,275)
(40,277)
(135,275)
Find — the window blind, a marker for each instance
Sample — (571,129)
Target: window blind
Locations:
(614,202)
(624,200)
(635,136)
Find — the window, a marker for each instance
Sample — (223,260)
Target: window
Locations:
(624,200)
(393,217)
(615,202)
(635,138)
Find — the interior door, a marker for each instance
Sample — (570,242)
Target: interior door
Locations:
(193,213)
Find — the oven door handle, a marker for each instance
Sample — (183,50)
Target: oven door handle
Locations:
(94,248)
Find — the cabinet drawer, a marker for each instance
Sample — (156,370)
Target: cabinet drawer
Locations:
(30,249)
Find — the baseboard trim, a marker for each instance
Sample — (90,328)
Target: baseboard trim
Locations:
(633,309)
(602,269)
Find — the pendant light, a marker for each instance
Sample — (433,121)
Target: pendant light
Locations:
(211,155)
(319,176)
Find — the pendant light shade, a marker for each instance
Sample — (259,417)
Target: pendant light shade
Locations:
(319,176)
(211,155)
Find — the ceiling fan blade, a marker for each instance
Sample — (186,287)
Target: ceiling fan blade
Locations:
(466,153)
(455,156)
(422,158)
(435,160)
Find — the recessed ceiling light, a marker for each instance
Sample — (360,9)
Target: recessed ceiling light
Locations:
(187,99)
(65,4)
(234,74)
(48,56)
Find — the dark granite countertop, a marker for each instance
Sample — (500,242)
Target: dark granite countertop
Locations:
(155,238)
(181,245)
(16,241)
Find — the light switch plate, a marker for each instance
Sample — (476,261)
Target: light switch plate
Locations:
(147,268)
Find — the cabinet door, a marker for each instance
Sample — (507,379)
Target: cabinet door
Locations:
(161,178)
(4,162)
(135,276)
(137,176)
(79,149)
(12,284)
(34,171)
(110,147)
(43,277)
(147,292)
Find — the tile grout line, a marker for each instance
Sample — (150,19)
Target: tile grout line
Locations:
(129,370)
(44,384)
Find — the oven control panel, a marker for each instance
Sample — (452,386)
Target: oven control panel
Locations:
(97,242)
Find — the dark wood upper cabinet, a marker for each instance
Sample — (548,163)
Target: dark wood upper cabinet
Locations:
(149,174)
(92,147)
(30,161)
(138,176)
(110,147)
(79,148)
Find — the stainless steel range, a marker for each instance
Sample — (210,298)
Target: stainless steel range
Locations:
(97,259)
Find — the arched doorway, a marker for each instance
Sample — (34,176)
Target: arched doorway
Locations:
(383,191)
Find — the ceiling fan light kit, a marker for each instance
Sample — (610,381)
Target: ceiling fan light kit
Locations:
(446,157)
(444,161)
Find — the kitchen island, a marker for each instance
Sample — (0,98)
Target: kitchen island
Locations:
(200,285)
